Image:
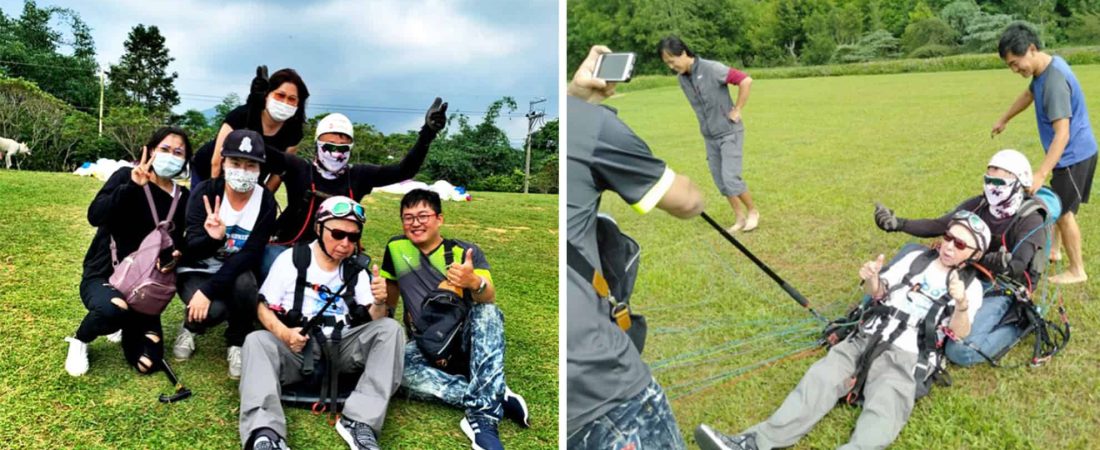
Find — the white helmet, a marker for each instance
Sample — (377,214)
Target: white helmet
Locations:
(1015,163)
(335,123)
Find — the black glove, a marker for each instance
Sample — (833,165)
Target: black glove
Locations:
(998,261)
(886,220)
(259,84)
(436,117)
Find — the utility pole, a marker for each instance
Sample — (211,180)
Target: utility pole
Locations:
(101,76)
(533,118)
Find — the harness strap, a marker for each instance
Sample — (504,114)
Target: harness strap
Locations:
(620,312)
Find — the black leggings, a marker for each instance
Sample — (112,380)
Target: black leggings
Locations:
(104,317)
(239,310)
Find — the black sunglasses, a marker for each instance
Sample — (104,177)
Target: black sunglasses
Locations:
(340,235)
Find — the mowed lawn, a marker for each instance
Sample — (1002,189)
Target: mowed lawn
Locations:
(45,234)
(818,153)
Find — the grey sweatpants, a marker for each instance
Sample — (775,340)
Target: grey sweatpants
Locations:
(724,159)
(888,398)
(376,348)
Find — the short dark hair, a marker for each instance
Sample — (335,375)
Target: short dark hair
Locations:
(289,75)
(1016,38)
(674,46)
(418,196)
(164,132)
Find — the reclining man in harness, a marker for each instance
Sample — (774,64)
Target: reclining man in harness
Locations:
(896,353)
(1018,252)
(321,320)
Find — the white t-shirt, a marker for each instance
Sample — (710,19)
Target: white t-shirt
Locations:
(278,288)
(916,303)
(238,227)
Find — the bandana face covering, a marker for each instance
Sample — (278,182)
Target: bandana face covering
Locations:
(1004,199)
(332,163)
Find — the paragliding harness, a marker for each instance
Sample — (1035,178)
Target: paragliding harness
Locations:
(327,376)
(440,329)
(1024,313)
(931,363)
(614,283)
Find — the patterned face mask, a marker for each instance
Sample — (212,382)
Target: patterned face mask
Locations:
(1004,197)
(241,180)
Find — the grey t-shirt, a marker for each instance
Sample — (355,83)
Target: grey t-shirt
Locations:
(603,367)
(709,95)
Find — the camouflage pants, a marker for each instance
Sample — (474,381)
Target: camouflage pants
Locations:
(643,422)
(483,392)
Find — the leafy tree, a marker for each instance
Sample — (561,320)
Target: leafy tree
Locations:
(228,104)
(984,32)
(32,50)
(959,14)
(141,75)
(932,30)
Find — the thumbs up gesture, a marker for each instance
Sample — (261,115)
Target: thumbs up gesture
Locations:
(957,291)
(869,272)
(462,275)
(378,285)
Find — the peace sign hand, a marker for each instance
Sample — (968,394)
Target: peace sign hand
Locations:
(462,275)
(214,225)
(142,174)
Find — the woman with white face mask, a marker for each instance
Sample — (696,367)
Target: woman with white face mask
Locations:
(1018,251)
(228,225)
(275,109)
(121,212)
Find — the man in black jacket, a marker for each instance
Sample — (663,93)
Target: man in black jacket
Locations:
(228,225)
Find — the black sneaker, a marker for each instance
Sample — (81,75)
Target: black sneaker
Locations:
(709,439)
(266,439)
(358,435)
(515,408)
(482,432)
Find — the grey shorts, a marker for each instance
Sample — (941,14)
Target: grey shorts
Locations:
(724,159)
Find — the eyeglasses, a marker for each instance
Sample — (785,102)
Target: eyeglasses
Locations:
(178,151)
(344,209)
(340,235)
(996,181)
(334,148)
(958,243)
(409,219)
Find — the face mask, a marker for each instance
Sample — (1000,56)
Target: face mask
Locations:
(1004,201)
(241,180)
(280,111)
(331,164)
(167,166)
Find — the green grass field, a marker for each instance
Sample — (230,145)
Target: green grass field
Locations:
(818,153)
(45,235)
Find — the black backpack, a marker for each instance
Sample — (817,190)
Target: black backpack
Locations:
(440,329)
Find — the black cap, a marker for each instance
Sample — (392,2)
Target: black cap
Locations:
(245,144)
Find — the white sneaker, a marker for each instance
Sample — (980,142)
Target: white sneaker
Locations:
(234,358)
(76,363)
(115,337)
(184,346)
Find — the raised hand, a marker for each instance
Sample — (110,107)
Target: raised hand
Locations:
(584,84)
(871,269)
(885,218)
(462,275)
(259,83)
(378,286)
(436,117)
(143,172)
(214,226)
(957,291)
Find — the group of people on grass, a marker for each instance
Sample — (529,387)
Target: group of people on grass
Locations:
(272,277)
(922,299)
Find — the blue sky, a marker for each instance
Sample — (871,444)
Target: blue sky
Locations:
(352,54)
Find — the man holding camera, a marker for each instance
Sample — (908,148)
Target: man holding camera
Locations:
(448,291)
(613,401)
(330,298)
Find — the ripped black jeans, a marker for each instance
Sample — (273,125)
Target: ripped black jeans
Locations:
(142,335)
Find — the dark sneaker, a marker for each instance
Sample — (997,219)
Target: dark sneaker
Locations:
(267,439)
(709,439)
(482,432)
(358,435)
(515,408)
